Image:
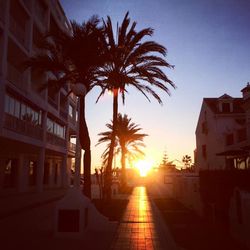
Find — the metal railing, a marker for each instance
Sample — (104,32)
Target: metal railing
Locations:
(55,140)
(23,127)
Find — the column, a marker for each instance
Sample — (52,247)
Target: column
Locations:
(2,168)
(40,170)
(22,174)
(77,174)
(64,172)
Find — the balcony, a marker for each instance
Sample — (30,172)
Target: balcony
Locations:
(72,147)
(52,102)
(16,77)
(18,31)
(23,127)
(55,140)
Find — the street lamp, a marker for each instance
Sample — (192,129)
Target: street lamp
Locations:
(79,90)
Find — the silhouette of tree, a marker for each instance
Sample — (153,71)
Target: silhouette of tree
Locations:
(165,159)
(167,165)
(131,62)
(186,159)
(128,141)
(74,58)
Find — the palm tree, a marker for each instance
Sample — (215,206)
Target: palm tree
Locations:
(186,159)
(131,62)
(128,141)
(74,58)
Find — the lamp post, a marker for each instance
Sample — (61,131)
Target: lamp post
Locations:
(80,91)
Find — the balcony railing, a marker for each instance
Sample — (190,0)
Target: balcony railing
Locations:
(55,140)
(23,127)
(18,31)
(16,77)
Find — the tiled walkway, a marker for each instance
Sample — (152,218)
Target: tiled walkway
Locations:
(137,230)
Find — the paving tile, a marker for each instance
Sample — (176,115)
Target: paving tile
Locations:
(137,229)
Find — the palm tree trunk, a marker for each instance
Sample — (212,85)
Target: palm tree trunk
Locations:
(112,145)
(85,144)
(123,164)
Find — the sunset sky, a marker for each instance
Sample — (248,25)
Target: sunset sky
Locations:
(207,41)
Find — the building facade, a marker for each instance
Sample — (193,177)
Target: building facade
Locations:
(36,126)
(221,134)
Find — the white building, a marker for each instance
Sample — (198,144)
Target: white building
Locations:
(221,134)
(223,143)
(35,127)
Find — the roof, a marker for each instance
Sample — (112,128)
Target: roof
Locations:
(213,104)
(246,88)
(238,152)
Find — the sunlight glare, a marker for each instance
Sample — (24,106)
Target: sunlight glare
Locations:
(143,167)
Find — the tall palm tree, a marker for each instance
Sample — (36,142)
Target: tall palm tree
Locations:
(128,141)
(131,62)
(74,58)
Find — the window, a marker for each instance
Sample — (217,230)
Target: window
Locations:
(229,139)
(71,111)
(17,109)
(22,111)
(32,173)
(46,173)
(56,173)
(55,128)
(226,107)
(76,115)
(7,104)
(11,106)
(242,134)
(10,173)
(49,125)
(204,128)
(204,151)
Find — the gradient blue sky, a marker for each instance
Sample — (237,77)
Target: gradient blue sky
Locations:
(207,41)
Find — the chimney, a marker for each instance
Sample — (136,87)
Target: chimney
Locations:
(246,92)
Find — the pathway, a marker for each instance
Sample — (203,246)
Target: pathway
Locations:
(138,228)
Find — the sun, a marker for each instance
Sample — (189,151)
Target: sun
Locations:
(143,167)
